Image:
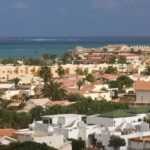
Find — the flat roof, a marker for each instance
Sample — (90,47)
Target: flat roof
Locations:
(63,115)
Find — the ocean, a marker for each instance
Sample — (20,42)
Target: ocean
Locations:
(36,47)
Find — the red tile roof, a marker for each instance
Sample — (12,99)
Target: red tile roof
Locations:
(92,60)
(7,132)
(145,86)
(69,82)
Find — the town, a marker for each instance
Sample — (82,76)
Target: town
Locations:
(87,99)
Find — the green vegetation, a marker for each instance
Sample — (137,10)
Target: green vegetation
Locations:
(26,146)
(10,61)
(146,71)
(77,144)
(76,97)
(117,114)
(139,110)
(112,60)
(12,119)
(80,84)
(79,71)
(116,142)
(122,60)
(121,82)
(111,70)
(90,78)
(45,73)
(15,81)
(55,90)
(104,89)
(60,71)
(125,81)
(126,113)
(49,57)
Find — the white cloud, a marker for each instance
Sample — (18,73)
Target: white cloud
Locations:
(106,4)
(21,6)
(63,11)
(114,4)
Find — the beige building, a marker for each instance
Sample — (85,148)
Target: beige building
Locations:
(142,92)
(23,72)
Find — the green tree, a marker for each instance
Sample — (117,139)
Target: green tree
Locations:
(75,97)
(112,60)
(79,71)
(116,142)
(80,84)
(115,84)
(55,91)
(111,70)
(45,73)
(37,112)
(90,78)
(60,71)
(23,119)
(77,144)
(125,81)
(26,146)
(105,50)
(122,60)
(15,81)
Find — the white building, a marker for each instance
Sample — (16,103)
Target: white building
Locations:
(68,125)
(139,143)
(112,121)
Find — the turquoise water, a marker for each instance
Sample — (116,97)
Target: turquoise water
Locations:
(36,47)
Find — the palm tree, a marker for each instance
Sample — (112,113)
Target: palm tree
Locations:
(45,73)
(3,102)
(105,50)
(80,84)
(1,93)
(60,71)
(55,90)
(15,81)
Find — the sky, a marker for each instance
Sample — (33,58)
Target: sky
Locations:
(74,18)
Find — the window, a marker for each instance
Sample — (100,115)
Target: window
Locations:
(45,121)
(50,121)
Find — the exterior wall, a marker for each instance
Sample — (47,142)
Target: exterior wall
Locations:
(105,137)
(99,87)
(138,145)
(8,72)
(54,140)
(109,122)
(10,93)
(92,95)
(5,141)
(143,96)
